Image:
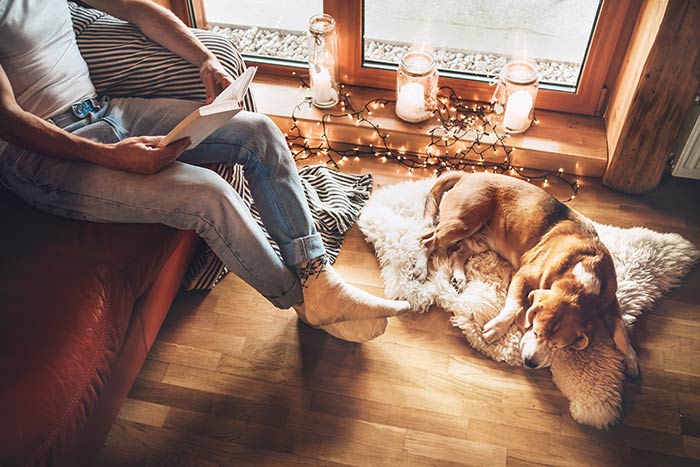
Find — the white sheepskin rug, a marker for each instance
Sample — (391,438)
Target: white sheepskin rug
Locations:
(648,265)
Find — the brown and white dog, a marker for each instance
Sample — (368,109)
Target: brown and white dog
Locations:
(564,284)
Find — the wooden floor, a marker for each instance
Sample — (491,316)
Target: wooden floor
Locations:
(233,381)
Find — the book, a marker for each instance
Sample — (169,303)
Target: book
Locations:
(208,118)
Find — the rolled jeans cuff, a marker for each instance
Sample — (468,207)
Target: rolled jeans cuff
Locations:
(303,249)
(293,296)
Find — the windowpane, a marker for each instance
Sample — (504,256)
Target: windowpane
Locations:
(264,28)
(475,38)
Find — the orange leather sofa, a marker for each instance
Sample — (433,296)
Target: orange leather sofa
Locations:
(80,306)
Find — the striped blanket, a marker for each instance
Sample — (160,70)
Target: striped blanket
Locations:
(123,62)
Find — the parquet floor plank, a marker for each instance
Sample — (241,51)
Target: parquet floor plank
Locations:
(233,381)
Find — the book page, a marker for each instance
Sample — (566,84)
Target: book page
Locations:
(208,118)
(201,123)
(236,91)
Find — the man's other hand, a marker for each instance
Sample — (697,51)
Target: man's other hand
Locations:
(215,78)
(142,154)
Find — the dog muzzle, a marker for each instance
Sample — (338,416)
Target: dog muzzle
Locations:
(535,352)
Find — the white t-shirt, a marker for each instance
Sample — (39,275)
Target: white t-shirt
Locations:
(39,53)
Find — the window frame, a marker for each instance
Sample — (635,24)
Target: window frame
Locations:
(601,64)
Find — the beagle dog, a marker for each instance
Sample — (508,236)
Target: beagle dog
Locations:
(564,284)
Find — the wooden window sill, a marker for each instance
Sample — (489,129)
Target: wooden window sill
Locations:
(575,143)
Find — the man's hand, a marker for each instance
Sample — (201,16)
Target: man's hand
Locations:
(142,154)
(215,78)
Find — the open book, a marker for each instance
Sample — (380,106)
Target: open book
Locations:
(206,119)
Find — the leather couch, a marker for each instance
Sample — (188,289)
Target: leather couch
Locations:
(80,306)
(81,303)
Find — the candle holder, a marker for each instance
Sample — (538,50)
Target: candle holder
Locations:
(516,93)
(323,62)
(416,86)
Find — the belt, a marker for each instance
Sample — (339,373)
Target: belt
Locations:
(82,109)
(75,112)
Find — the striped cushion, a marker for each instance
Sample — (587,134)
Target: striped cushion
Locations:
(335,200)
(123,62)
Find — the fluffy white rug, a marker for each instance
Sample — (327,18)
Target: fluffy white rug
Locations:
(648,264)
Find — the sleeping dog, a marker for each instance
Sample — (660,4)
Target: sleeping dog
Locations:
(564,284)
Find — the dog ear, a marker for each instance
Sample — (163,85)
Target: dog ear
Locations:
(611,314)
(526,318)
(520,320)
(528,315)
(581,343)
(531,296)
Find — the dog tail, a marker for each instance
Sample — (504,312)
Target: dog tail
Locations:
(443,184)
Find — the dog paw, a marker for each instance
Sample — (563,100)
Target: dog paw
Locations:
(494,330)
(458,282)
(420,268)
(632,367)
(419,274)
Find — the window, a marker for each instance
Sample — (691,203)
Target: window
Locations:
(575,42)
(473,39)
(267,31)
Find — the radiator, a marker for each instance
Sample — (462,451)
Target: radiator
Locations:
(686,150)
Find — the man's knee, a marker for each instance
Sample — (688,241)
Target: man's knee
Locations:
(264,126)
(256,127)
(263,137)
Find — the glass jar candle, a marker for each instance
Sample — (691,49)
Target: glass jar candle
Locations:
(416,86)
(518,91)
(323,61)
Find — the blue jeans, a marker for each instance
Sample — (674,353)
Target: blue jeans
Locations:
(183,195)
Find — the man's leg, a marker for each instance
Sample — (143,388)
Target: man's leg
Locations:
(256,143)
(253,141)
(182,196)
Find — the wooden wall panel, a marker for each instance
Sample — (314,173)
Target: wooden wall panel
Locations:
(645,32)
(658,79)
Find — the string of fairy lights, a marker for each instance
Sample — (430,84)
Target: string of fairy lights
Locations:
(465,138)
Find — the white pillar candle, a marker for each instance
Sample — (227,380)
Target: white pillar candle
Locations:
(518,107)
(322,86)
(410,104)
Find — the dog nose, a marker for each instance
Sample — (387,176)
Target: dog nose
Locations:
(529,363)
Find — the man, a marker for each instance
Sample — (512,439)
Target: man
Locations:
(70,154)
